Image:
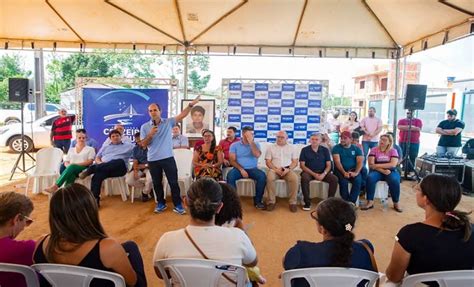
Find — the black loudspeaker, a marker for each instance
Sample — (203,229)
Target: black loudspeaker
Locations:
(18,90)
(415,97)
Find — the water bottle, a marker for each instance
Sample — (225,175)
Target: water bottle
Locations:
(384,202)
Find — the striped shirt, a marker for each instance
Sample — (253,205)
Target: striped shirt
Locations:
(62,128)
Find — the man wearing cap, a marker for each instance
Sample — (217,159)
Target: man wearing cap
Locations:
(61,131)
(243,157)
(348,160)
(450,131)
(315,163)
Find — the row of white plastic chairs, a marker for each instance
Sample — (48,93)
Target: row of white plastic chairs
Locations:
(207,273)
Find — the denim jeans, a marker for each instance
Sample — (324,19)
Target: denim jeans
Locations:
(353,196)
(393,181)
(168,165)
(102,171)
(443,150)
(412,154)
(255,174)
(62,145)
(367,145)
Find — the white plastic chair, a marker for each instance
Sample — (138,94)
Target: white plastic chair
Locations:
(456,278)
(381,191)
(199,272)
(142,180)
(320,189)
(261,160)
(330,276)
(28,273)
(75,276)
(184,162)
(245,187)
(116,186)
(46,171)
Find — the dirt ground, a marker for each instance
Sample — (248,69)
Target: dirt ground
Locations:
(272,233)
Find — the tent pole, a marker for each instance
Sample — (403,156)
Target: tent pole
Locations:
(395,98)
(39,96)
(185,80)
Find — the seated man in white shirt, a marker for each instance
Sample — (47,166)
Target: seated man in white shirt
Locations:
(281,159)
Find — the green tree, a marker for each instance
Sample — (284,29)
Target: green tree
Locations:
(198,66)
(10,66)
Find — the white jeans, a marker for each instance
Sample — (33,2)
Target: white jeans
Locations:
(441,151)
(130,180)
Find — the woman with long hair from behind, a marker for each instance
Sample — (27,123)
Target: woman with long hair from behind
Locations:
(78,238)
(443,241)
(335,220)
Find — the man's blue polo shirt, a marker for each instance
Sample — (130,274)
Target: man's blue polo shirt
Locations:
(161,146)
(243,154)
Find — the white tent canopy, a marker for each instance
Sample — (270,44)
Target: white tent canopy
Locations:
(320,28)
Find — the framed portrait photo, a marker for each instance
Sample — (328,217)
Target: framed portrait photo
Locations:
(201,117)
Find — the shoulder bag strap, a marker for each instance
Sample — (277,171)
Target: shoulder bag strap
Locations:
(372,259)
(204,255)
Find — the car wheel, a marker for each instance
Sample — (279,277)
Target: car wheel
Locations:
(12,121)
(15,144)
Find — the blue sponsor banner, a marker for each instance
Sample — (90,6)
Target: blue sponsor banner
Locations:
(247,125)
(314,103)
(274,126)
(274,95)
(234,118)
(290,134)
(104,108)
(287,103)
(248,110)
(313,119)
(301,95)
(261,103)
(315,88)
(287,119)
(299,141)
(235,86)
(261,118)
(234,102)
(260,134)
(300,127)
(261,87)
(274,111)
(248,95)
(301,111)
(288,87)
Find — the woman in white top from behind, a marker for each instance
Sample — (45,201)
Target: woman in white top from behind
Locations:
(77,159)
(204,200)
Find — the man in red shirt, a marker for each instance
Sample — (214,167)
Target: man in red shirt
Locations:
(403,126)
(61,131)
(225,144)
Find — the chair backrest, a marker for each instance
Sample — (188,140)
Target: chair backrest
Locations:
(48,160)
(330,276)
(457,278)
(263,148)
(298,148)
(199,272)
(75,276)
(28,273)
(184,161)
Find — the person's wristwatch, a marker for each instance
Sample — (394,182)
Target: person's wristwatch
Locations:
(190,105)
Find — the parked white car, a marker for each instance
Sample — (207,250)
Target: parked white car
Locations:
(37,134)
(10,113)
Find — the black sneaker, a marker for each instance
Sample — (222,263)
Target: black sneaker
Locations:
(307,207)
(260,206)
(85,173)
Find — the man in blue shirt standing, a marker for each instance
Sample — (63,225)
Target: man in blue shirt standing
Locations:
(111,161)
(349,160)
(156,135)
(243,157)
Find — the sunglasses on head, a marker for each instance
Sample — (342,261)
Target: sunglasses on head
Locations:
(28,220)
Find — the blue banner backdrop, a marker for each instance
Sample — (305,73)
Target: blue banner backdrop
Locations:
(103,108)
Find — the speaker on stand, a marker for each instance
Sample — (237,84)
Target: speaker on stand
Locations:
(19,90)
(415,98)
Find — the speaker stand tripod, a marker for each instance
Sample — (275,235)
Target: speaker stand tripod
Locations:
(23,153)
(406,161)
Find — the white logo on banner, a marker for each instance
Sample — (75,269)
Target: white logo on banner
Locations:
(248,102)
(287,126)
(272,134)
(248,87)
(288,95)
(261,110)
(261,95)
(274,87)
(314,96)
(302,87)
(233,110)
(301,119)
(314,111)
(274,118)
(235,94)
(274,103)
(287,111)
(301,103)
(260,126)
(247,118)
(299,134)
(312,127)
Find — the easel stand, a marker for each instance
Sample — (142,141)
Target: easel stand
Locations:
(406,161)
(21,157)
